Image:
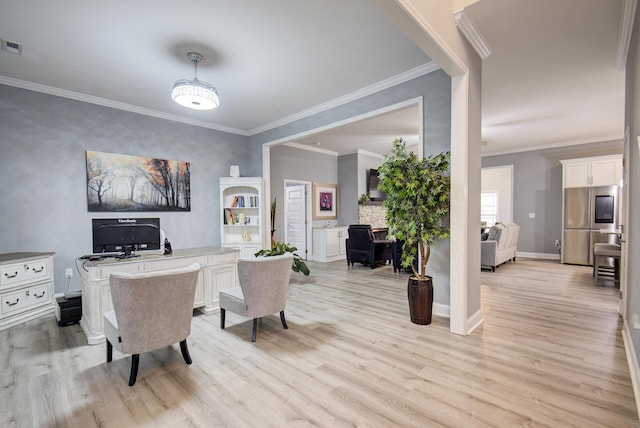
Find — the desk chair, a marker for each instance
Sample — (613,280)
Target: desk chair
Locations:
(151,310)
(264,282)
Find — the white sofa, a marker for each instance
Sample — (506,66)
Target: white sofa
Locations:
(501,245)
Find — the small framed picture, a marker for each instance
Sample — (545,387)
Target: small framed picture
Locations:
(325,201)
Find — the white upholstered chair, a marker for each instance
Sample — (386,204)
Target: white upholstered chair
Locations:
(264,282)
(151,310)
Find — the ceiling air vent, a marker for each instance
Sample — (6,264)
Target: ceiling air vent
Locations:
(13,47)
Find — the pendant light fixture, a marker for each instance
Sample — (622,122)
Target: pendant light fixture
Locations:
(195,94)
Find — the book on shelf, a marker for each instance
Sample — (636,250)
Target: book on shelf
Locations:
(234,202)
(240,201)
(228,217)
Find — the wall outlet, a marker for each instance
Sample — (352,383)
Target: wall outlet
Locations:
(68,273)
(532,215)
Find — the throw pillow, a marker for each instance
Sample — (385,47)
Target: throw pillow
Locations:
(494,232)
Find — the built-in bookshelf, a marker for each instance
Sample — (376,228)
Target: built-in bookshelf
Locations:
(241,221)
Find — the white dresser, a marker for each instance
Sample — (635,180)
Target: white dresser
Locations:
(218,271)
(26,287)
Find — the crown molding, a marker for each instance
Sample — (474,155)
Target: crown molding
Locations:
(472,34)
(361,93)
(311,148)
(36,87)
(629,9)
(568,143)
(371,154)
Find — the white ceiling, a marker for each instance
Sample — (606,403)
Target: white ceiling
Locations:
(551,78)
(268,59)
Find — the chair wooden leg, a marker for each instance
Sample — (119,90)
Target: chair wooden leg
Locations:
(109,352)
(283,321)
(135,360)
(255,329)
(222,314)
(185,352)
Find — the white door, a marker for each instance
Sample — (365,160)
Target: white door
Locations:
(295,218)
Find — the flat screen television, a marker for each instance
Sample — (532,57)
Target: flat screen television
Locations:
(124,236)
(372,187)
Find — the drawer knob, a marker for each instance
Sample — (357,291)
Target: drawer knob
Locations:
(14,303)
(11,276)
(38,270)
(37,296)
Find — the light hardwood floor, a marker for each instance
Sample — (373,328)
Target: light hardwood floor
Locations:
(549,353)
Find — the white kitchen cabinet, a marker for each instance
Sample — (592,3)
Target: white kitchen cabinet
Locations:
(329,243)
(591,172)
(26,287)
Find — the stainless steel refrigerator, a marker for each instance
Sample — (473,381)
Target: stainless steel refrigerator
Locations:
(587,210)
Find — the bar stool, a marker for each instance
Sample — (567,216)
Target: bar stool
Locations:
(606,250)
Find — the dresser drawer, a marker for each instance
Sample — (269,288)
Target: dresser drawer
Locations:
(24,272)
(25,298)
(39,295)
(13,302)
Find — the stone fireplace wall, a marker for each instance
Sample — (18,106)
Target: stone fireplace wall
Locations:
(373,214)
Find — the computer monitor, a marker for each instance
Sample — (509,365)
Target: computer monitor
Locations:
(125,235)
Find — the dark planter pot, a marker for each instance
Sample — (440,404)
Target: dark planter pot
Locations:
(420,293)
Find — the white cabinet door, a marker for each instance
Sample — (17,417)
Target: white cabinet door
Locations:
(606,172)
(333,242)
(344,234)
(592,172)
(577,174)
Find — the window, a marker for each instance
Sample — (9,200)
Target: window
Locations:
(489,207)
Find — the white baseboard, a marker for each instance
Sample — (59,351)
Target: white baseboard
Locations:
(474,321)
(632,360)
(441,310)
(544,256)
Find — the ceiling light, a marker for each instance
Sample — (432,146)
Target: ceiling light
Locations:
(195,94)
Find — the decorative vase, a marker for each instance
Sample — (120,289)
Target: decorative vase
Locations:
(420,293)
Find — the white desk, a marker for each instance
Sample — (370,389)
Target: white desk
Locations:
(218,271)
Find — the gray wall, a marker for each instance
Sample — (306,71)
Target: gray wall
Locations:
(353,171)
(42,159)
(435,88)
(632,120)
(348,174)
(296,164)
(537,188)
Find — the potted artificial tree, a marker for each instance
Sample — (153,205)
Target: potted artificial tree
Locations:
(418,201)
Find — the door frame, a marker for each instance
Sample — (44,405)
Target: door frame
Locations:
(624,222)
(307,222)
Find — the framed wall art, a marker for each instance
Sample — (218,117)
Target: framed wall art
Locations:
(132,183)
(325,201)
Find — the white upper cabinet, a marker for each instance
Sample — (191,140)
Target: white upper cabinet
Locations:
(606,172)
(591,172)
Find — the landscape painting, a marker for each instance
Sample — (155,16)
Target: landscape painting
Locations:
(132,183)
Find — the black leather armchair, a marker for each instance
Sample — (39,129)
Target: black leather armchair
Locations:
(363,248)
